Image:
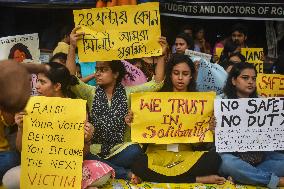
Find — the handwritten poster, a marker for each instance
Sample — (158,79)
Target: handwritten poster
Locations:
(211,77)
(53,140)
(200,55)
(255,56)
(118,33)
(167,117)
(134,75)
(21,48)
(249,124)
(252,55)
(270,85)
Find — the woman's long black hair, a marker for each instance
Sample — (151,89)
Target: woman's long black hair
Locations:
(230,90)
(174,60)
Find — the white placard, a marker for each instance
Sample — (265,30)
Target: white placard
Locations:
(249,124)
(29,43)
(200,55)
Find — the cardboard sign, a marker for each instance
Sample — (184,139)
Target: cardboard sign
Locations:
(211,77)
(167,117)
(249,124)
(120,32)
(270,85)
(252,55)
(200,55)
(53,141)
(22,48)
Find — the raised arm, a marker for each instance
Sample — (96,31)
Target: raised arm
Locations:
(70,62)
(160,67)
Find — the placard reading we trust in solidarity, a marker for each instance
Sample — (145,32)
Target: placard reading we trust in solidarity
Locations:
(166,118)
(117,33)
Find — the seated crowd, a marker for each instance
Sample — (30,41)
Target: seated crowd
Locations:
(108,124)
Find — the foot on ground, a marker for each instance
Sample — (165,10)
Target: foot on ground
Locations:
(211,179)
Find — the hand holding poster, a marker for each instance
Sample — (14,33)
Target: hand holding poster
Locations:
(270,85)
(167,117)
(120,32)
(249,124)
(52,143)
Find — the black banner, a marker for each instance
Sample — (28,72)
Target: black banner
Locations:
(224,10)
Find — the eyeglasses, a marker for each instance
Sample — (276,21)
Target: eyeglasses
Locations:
(102,69)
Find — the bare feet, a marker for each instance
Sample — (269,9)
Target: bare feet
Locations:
(211,179)
(281,181)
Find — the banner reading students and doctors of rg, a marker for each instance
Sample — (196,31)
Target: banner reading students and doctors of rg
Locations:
(166,117)
(249,124)
(52,143)
(118,33)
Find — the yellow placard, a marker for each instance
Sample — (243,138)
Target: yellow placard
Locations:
(167,117)
(270,85)
(120,32)
(255,56)
(252,55)
(52,143)
(219,51)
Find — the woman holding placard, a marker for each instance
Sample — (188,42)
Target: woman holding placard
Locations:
(55,82)
(187,164)
(109,105)
(254,168)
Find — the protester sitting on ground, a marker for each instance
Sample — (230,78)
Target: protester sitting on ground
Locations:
(63,44)
(229,48)
(182,42)
(187,29)
(200,43)
(59,58)
(194,166)
(15,91)
(252,168)
(109,105)
(239,34)
(234,58)
(55,82)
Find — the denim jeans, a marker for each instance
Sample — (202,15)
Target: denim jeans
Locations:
(120,162)
(266,173)
(8,160)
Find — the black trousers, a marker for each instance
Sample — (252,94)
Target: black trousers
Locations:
(208,164)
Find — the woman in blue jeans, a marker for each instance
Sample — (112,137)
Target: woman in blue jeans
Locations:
(8,158)
(254,168)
